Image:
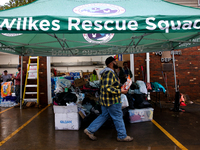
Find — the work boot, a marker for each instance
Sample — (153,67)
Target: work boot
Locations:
(90,135)
(126,139)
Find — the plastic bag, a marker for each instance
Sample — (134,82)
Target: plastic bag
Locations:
(6,89)
(127,84)
(64,83)
(65,97)
(81,97)
(130,91)
(59,90)
(142,86)
(124,101)
(95,84)
(61,85)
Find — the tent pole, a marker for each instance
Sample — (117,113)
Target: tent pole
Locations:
(132,66)
(63,47)
(174,70)
(135,44)
(148,73)
(21,82)
(177,93)
(49,79)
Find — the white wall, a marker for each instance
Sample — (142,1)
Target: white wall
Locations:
(6,59)
(77,59)
(75,69)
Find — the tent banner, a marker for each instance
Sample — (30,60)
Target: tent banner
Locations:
(97,52)
(153,24)
(190,43)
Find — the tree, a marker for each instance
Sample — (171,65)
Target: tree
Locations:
(15,3)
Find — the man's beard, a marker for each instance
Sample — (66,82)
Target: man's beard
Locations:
(115,66)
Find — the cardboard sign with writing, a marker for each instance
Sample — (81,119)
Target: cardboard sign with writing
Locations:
(79,82)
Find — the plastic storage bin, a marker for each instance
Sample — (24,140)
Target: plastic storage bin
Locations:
(141,115)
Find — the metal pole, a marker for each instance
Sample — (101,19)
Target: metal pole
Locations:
(174,71)
(177,93)
(132,66)
(49,79)
(148,68)
(148,73)
(21,78)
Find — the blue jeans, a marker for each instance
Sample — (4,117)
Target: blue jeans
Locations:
(17,92)
(115,111)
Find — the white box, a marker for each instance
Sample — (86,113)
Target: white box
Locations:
(69,121)
(65,109)
(141,115)
(66,118)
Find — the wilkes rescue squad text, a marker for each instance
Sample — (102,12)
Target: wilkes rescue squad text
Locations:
(29,24)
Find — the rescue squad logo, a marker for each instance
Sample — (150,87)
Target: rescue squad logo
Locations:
(98,37)
(99,9)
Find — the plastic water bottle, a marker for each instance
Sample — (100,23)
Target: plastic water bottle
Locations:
(3,104)
(1,99)
(6,103)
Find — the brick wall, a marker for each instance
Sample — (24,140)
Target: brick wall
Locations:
(187,71)
(42,78)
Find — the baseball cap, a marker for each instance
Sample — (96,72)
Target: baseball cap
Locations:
(109,60)
(18,66)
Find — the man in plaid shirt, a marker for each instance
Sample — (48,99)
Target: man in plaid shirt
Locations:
(110,100)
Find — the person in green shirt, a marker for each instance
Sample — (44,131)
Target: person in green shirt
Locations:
(94,76)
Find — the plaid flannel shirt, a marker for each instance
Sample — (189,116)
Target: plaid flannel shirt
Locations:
(110,90)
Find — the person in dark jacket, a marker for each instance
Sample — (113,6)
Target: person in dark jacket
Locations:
(126,70)
(124,73)
(110,101)
(122,76)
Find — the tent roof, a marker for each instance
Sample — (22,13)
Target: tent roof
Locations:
(132,8)
(97,27)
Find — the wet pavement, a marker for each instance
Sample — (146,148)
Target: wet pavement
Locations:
(31,129)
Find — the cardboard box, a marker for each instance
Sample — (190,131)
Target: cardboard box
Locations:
(126,57)
(120,63)
(79,82)
(81,114)
(141,115)
(66,118)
